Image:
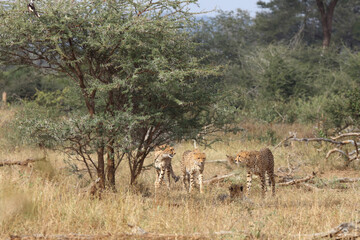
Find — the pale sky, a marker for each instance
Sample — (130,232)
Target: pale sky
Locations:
(226,5)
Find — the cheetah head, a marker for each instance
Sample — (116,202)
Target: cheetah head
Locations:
(241,157)
(199,158)
(165,151)
(236,191)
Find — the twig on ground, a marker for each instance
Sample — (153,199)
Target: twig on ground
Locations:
(20,163)
(348,180)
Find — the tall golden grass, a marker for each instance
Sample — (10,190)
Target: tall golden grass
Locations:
(46,198)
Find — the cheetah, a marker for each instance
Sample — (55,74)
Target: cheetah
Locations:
(236,192)
(259,163)
(193,163)
(163,156)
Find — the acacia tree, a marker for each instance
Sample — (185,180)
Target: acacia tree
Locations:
(133,65)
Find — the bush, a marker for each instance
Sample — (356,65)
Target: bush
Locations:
(23,83)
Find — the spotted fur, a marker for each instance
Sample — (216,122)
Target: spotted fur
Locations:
(163,157)
(192,164)
(236,191)
(259,163)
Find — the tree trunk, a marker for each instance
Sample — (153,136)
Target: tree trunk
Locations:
(326,13)
(111,165)
(101,167)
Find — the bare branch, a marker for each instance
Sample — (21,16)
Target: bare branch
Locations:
(286,139)
(352,134)
(323,140)
(297,181)
(337,150)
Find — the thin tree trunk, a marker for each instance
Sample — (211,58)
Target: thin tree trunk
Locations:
(101,167)
(111,165)
(326,13)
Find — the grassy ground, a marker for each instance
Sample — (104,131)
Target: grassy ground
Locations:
(48,199)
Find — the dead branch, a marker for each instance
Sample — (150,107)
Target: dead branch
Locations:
(218,178)
(20,163)
(337,150)
(348,156)
(348,180)
(352,134)
(322,140)
(297,181)
(286,139)
(343,231)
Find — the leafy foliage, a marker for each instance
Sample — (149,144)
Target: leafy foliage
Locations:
(133,66)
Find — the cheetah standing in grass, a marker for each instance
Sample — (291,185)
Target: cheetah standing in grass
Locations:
(192,164)
(163,156)
(259,163)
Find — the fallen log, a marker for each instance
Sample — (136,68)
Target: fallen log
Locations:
(20,163)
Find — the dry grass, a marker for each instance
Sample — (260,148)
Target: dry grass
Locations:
(48,199)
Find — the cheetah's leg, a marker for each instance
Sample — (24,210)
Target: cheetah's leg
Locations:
(272,178)
(184,179)
(192,181)
(168,175)
(157,177)
(201,182)
(268,180)
(176,178)
(263,183)
(248,183)
(160,178)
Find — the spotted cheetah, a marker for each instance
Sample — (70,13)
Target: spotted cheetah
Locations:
(259,163)
(163,156)
(192,164)
(236,192)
